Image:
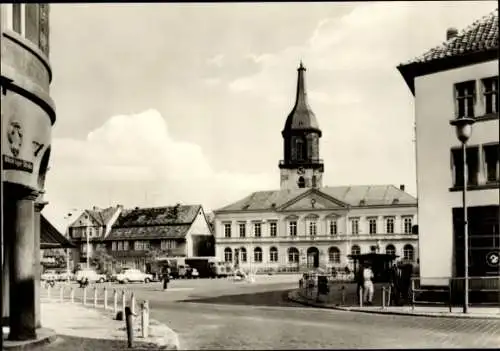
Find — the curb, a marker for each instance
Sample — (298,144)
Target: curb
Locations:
(31,344)
(293,296)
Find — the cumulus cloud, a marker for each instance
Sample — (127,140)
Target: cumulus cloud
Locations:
(217,60)
(134,161)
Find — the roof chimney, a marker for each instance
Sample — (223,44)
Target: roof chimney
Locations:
(451,33)
(402,187)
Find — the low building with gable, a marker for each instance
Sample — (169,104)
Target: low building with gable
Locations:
(170,231)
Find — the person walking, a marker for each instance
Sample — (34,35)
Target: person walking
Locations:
(368,288)
(166,276)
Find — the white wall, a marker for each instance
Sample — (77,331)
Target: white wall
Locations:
(434,108)
(199,227)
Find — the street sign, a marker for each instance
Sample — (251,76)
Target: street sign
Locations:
(493,259)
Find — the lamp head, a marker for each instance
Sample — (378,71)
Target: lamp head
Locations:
(463,128)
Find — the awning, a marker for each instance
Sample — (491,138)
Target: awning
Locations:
(50,238)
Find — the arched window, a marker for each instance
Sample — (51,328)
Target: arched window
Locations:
(299,144)
(373,249)
(293,255)
(334,255)
(390,249)
(408,253)
(228,255)
(301,182)
(257,254)
(355,250)
(273,254)
(243,254)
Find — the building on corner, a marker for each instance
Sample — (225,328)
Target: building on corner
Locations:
(457,79)
(27,116)
(306,225)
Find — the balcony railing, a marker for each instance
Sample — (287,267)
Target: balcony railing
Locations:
(307,161)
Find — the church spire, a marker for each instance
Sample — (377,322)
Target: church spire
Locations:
(301,95)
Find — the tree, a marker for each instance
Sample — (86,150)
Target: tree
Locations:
(102,260)
(151,259)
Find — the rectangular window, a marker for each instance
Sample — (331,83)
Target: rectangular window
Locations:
(355,226)
(145,245)
(120,246)
(242,230)
(292,226)
(273,229)
(372,223)
(125,246)
(492,162)
(257,230)
(138,245)
(168,244)
(472,166)
(333,227)
(407,224)
(465,95)
(227,230)
(490,93)
(16,18)
(113,246)
(389,225)
(313,228)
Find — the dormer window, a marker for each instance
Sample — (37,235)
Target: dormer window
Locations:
(362,202)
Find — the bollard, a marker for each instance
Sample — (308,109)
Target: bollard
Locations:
(72,295)
(95,296)
(360,296)
(129,326)
(383,297)
(124,302)
(390,296)
(115,301)
(61,293)
(48,292)
(85,295)
(145,319)
(412,294)
(105,298)
(343,295)
(132,303)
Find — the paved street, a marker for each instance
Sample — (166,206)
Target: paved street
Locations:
(221,314)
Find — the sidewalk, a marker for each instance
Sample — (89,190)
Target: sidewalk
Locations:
(426,311)
(85,328)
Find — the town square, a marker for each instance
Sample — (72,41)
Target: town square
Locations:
(300,175)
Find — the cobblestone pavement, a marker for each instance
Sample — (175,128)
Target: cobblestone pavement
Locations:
(225,315)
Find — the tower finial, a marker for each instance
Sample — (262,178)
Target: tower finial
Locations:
(301,66)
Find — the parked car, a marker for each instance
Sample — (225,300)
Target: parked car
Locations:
(91,275)
(49,275)
(64,276)
(133,275)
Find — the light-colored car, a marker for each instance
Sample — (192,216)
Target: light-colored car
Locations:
(50,275)
(91,275)
(64,276)
(133,275)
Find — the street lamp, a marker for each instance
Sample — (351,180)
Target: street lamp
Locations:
(463,127)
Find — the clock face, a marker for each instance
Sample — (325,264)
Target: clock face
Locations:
(301,170)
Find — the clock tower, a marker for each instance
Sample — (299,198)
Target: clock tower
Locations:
(301,166)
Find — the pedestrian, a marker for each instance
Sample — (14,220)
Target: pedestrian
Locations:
(368,288)
(395,285)
(166,277)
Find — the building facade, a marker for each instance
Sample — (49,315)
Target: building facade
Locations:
(27,117)
(91,227)
(142,234)
(457,79)
(305,225)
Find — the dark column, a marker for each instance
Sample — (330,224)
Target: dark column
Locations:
(7,219)
(22,275)
(39,205)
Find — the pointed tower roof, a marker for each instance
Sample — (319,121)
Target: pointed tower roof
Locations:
(301,117)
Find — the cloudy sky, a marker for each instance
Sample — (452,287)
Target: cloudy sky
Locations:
(166,103)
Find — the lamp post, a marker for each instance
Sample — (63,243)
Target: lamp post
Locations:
(463,127)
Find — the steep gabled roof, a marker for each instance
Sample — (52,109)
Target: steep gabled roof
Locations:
(170,222)
(358,195)
(476,43)
(50,237)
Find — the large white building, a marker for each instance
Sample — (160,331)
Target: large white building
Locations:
(305,225)
(454,80)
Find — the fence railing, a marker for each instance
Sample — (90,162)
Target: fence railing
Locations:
(99,297)
(451,291)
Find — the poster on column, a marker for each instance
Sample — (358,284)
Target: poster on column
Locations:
(26,135)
